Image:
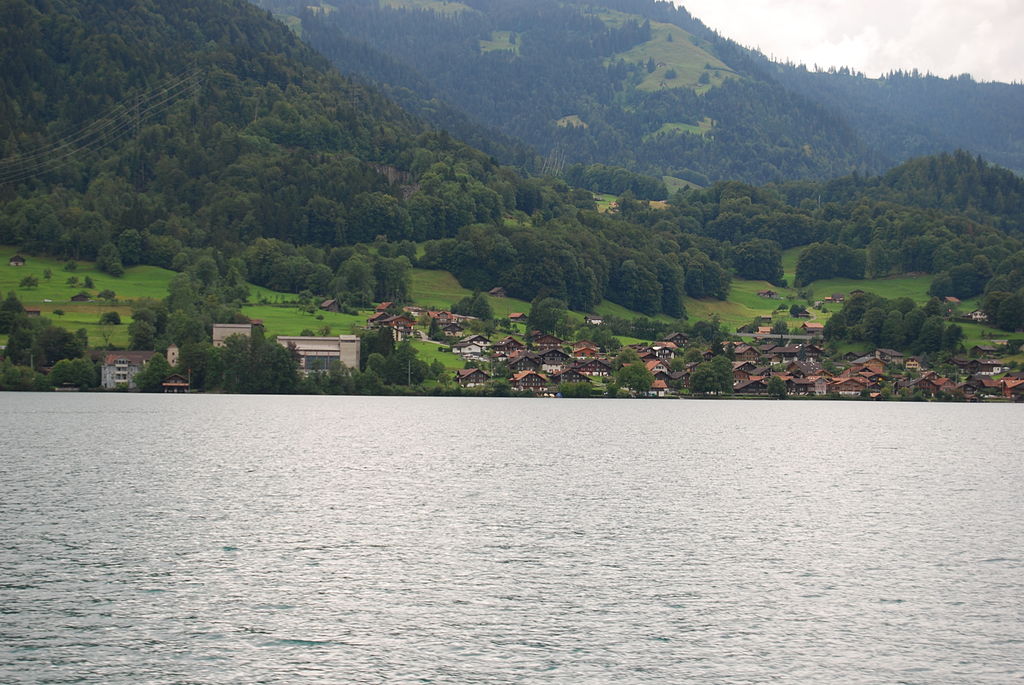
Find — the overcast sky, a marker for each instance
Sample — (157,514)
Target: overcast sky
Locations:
(946,37)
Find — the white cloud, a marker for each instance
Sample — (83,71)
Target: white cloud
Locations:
(944,37)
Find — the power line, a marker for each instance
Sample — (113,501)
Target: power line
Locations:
(126,116)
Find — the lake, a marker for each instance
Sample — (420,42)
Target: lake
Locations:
(217,539)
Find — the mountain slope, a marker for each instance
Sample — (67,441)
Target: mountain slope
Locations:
(642,84)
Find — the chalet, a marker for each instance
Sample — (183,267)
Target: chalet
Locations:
(569,376)
(786,353)
(330,306)
(525,361)
(664,352)
(579,344)
(508,345)
(442,317)
(814,385)
(751,386)
(374,319)
(120,368)
(801,313)
(813,328)
(1013,389)
(472,346)
(33,311)
(678,339)
(746,353)
(978,316)
(985,367)
(851,356)
(803,369)
(889,356)
(848,386)
(594,367)
(471,378)
(764,330)
(951,300)
(497,292)
(554,359)
(770,294)
(401,325)
(983,351)
(175,383)
(659,388)
(316,354)
(547,342)
(913,364)
(453,329)
(658,367)
(593,320)
(585,352)
(836,297)
(223,331)
(383,306)
(518,317)
(81,297)
(812,352)
(742,371)
(529,381)
(16,260)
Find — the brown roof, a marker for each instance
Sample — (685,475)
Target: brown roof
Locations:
(132,356)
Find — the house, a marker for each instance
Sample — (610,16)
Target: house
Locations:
(497,292)
(33,311)
(175,383)
(751,386)
(173,354)
(223,331)
(518,317)
(547,342)
(81,297)
(453,329)
(983,351)
(659,388)
(317,354)
(330,306)
(472,346)
(120,368)
(373,321)
(572,375)
(746,353)
(383,306)
(951,300)
(507,346)
(529,381)
(1013,389)
(471,378)
(594,367)
(677,339)
(985,367)
(593,320)
(16,260)
(524,361)
(978,316)
(554,359)
(848,386)
(400,324)
(812,352)
(913,364)
(836,297)
(585,352)
(770,294)
(894,357)
(813,328)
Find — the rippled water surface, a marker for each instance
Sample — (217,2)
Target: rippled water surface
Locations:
(221,539)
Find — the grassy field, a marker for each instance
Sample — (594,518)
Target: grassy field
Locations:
(499,41)
(440,290)
(702,129)
(572,121)
(439,6)
(680,53)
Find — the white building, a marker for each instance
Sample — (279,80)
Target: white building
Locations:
(223,331)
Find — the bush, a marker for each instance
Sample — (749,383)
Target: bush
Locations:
(112,318)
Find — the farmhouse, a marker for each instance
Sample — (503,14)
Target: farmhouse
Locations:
(16,260)
(471,378)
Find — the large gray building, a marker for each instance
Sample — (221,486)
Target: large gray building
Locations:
(318,353)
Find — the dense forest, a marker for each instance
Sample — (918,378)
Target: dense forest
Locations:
(207,138)
(643,85)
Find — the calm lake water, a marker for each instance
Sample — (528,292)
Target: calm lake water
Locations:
(216,539)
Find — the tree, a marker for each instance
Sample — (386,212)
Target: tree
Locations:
(29,282)
(108,295)
(79,373)
(109,260)
(153,374)
(547,315)
(636,377)
(111,318)
(713,376)
(777,388)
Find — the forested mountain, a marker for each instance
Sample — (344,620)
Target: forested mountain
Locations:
(643,85)
(202,135)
